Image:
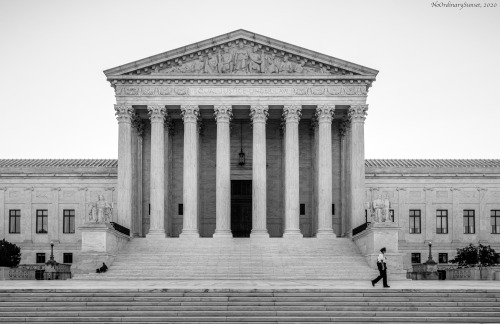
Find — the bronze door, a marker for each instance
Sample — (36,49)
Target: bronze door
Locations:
(241,208)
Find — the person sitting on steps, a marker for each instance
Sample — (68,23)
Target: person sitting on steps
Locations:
(102,269)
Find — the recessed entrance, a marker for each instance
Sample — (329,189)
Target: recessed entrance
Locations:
(241,208)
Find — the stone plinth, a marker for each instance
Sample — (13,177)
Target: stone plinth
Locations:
(377,236)
(100,243)
(425,271)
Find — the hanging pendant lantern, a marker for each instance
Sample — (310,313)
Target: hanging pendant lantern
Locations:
(241,154)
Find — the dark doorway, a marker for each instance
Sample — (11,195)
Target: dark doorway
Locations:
(241,208)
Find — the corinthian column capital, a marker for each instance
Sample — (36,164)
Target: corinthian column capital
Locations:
(325,113)
(124,113)
(223,113)
(292,113)
(157,113)
(259,113)
(190,113)
(357,113)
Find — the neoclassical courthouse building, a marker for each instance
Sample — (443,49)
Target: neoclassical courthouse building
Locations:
(242,135)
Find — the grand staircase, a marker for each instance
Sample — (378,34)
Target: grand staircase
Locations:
(246,306)
(237,258)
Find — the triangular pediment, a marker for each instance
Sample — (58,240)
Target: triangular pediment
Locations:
(240,53)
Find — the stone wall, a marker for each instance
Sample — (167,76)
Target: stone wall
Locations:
(430,189)
(52,189)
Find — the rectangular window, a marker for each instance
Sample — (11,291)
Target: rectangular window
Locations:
(42,219)
(181,209)
(443,257)
(442,221)
(391,215)
(67,257)
(68,221)
(469,221)
(14,221)
(366,215)
(415,258)
(415,221)
(333,209)
(495,221)
(302,209)
(40,258)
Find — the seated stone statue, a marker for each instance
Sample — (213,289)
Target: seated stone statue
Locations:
(379,209)
(100,211)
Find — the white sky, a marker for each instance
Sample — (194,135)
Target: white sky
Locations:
(436,95)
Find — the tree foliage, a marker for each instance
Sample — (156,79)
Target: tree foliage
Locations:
(10,254)
(471,256)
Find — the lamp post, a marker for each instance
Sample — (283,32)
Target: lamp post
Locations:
(51,250)
(429,260)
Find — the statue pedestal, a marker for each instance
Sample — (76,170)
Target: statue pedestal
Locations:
(425,271)
(377,236)
(100,243)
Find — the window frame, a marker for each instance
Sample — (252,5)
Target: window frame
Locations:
(71,218)
(441,214)
(440,258)
(468,218)
(415,217)
(15,214)
(495,218)
(414,255)
(68,255)
(42,214)
(40,255)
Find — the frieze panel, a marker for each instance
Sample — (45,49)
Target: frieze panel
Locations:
(240,58)
(340,90)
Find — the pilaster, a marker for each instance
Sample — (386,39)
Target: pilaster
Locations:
(54,216)
(483,222)
(429,220)
(258,115)
(291,114)
(4,219)
(456,218)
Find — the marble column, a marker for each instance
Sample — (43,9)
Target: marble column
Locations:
(157,115)
(291,115)
(223,116)
(259,115)
(190,115)
(344,176)
(124,114)
(357,115)
(324,114)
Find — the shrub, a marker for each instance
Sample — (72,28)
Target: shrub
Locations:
(10,254)
(471,256)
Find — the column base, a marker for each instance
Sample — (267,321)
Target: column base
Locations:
(259,234)
(190,233)
(156,233)
(292,233)
(328,234)
(223,234)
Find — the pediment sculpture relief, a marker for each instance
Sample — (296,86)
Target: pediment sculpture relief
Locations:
(243,59)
